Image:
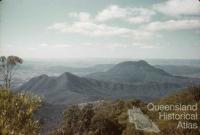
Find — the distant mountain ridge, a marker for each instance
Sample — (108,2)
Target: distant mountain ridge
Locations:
(135,72)
(125,80)
(182,70)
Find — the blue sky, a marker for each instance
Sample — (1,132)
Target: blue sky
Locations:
(107,28)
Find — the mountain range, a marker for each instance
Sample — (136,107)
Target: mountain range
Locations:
(182,70)
(135,72)
(130,79)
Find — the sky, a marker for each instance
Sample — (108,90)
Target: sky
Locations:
(59,29)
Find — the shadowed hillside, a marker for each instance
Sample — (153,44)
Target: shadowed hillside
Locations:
(71,89)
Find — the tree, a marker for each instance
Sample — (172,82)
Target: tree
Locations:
(7,69)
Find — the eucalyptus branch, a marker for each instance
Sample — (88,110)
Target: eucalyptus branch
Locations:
(7,68)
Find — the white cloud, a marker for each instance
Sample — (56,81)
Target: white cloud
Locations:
(139,19)
(44,45)
(61,45)
(102,30)
(32,48)
(179,7)
(54,45)
(95,25)
(73,14)
(112,12)
(117,45)
(173,25)
(94,29)
(57,26)
(82,16)
(144,45)
(132,15)
(148,47)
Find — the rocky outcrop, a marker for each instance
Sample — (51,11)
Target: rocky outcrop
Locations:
(142,121)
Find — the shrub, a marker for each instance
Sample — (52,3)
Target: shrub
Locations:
(111,117)
(16,113)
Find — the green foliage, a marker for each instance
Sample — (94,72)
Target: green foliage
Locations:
(111,118)
(16,113)
(101,119)
(189,96)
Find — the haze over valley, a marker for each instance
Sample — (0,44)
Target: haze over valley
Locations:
(105,82)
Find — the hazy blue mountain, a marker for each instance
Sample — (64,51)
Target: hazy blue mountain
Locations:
(125,80)
(66,88)
(83,67)
(28,71)
(81,71)
(136,72)
(181,70)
